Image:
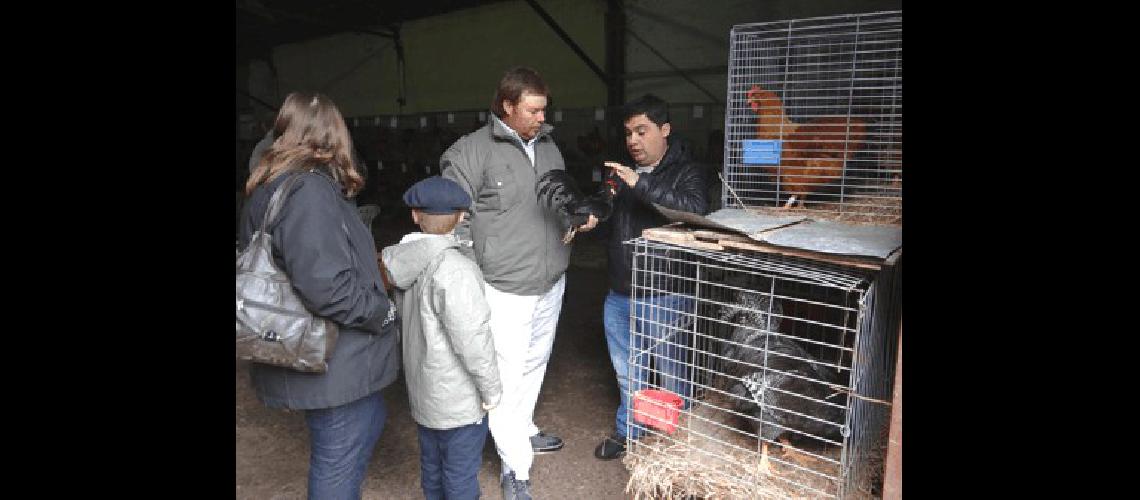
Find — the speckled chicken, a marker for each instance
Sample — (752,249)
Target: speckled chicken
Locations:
(778,379)
(748,313)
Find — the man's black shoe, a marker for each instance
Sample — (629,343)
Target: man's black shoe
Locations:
(545,443)
(612,447)
(513,489)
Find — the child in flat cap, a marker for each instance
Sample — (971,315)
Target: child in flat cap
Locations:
(449,355)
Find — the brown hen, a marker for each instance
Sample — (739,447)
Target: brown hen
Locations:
(813,153)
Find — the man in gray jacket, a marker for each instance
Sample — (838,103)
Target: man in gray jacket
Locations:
(449,357)
(518,246)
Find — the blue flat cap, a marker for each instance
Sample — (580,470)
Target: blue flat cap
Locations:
(436,195)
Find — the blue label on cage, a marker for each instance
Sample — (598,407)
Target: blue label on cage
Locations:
(757,152)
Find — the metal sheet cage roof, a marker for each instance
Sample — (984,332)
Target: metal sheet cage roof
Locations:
(759,347)
(814,115)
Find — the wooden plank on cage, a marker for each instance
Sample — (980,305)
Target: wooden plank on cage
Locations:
(805,254)
(679,236)
(709,239)
(707,234)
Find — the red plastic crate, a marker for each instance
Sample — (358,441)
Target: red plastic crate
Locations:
(657,408)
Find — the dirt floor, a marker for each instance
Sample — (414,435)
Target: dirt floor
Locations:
(577,402)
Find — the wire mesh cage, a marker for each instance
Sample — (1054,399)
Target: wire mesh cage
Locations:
(814,116)
(756,375)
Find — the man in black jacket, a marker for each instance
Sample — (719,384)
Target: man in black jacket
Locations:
(667,175)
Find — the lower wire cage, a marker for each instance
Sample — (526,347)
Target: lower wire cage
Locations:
(779,368)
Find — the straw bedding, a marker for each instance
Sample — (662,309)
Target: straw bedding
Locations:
(711,459)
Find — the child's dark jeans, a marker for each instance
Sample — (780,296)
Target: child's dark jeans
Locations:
(450,459)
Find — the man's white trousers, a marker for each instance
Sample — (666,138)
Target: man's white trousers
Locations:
(523,329)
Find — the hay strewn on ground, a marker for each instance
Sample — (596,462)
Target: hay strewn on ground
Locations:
(705,460)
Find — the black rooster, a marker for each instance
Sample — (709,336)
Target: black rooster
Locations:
(558,192)
(780,383)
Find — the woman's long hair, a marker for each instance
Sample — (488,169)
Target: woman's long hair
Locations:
(310,132)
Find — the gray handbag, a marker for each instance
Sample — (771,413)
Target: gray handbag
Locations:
(273,326)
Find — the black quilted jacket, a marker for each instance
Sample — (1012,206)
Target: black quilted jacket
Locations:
(678,182)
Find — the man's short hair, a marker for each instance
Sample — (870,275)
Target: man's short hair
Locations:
(515,82)
(653,107)
(438,223)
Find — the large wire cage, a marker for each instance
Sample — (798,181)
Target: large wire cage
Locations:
(814,117)
(740,358)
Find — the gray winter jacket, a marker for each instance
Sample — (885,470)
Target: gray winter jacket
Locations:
(320,241)
(516,243)
(449,357)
